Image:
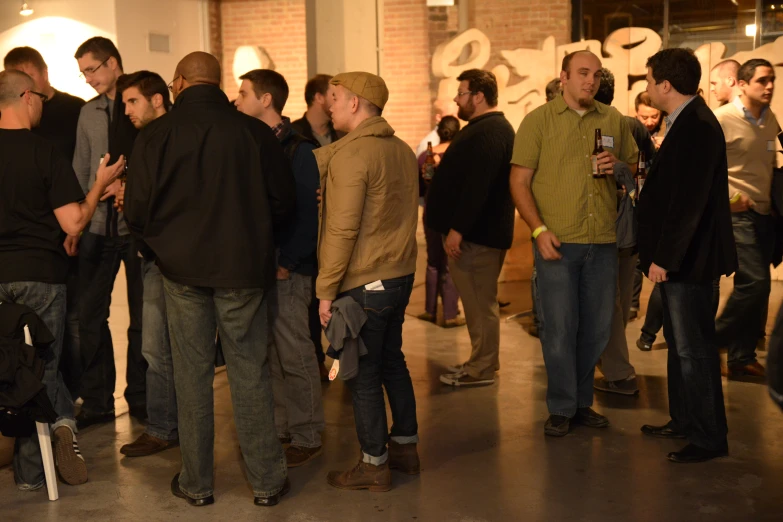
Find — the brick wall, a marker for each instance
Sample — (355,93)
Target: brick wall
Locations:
(215,30)
(279,27)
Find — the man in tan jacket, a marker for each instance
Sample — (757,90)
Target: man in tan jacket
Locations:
(367,251)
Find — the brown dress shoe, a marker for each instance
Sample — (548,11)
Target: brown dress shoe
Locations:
(363,476)
(753,369)
(404,457)
(297,455)
(147,445)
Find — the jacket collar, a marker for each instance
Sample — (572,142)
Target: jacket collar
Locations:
(561,106)
(484,116)
(671,137)
(102,102)
(201,94)
(375,126)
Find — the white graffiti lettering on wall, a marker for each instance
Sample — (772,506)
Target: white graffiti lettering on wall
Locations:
(624,52)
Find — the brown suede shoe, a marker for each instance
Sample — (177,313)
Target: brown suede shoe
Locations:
(404,457)
(297,455)
(753,369)
(147,445)
(364,476)
(68,459)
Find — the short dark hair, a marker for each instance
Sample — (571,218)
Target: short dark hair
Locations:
(318,84)
(605,92)
(24,55)
(679,66)
(448,127)
(642,99)
(148,83)
(748,69)
(269,81)
(101,48)
(553,88)
(483,82)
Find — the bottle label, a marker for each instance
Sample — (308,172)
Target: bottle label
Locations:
(594,159)
(640,186)
(642,165)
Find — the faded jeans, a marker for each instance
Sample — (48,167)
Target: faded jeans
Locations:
(48,302)
(240,317)
(296,381)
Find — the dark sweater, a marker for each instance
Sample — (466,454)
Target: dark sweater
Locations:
(470,191)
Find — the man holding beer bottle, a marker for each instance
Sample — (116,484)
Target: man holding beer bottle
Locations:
(571,212)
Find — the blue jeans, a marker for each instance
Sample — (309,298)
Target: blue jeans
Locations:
(48,302)
(383,367)
(576,296)
(745,314)
(99,262)
(695,391)
(156,348)
(240,317)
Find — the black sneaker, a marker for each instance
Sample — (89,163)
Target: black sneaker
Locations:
(557,426)
(87,418)
(590,418)
(643,345)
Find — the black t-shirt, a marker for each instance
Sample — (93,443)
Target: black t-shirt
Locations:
(34,179)
(58,122)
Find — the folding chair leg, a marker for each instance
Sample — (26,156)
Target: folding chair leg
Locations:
(45,440)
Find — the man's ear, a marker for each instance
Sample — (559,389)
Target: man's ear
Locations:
(157,101)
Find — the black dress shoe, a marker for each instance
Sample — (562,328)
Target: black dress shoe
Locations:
(274,499)
(691,454)
(198,502)
(87,418)
(662,432)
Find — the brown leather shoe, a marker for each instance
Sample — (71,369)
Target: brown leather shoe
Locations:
(68,459)
(404,457)
(297,455)
(753,369)
(364,476)
(147,445)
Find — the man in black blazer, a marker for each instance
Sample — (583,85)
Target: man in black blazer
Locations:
(686,242)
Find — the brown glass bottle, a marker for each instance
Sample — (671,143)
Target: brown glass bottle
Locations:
(429,163)
(599,148)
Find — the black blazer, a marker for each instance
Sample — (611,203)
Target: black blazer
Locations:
(683,210)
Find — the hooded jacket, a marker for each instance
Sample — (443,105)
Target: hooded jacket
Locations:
(369,211)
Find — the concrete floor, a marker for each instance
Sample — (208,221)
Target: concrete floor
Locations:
(484,455)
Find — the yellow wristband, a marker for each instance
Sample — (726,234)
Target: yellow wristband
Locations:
(735,197)
(537,232)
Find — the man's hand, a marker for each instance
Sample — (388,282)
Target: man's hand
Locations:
(657,141)
(606,161)
(106,175)
(743,203)
(112,190)
(325,312)
(657,274)
(452,244)
(119,199)
(318,194)
(283,274)
(72,245)
(548,244)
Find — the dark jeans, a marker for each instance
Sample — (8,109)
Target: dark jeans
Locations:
(99,262)
(383,367)
(576,297)
(48,302)
(156,348)
(314,324)
(745,314)
(638,281)
(71,359)
(438,280)
(653,319)
(240,316)
(695,390)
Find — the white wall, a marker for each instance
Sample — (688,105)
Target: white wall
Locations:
(58,27)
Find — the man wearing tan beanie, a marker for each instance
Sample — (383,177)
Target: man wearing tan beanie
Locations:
(367,251)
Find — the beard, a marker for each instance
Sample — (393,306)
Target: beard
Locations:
(585,103)
(466,113)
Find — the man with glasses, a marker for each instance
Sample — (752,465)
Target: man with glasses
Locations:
(104,128)
(58,125)
(47,203)
(470,204)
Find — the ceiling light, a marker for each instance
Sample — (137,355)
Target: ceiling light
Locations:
(26,10)
(750,30)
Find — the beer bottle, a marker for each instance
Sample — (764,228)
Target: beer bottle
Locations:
(599,148)
(641,172)
(429,163)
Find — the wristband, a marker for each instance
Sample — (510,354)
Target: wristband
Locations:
(537,232)
(735,197)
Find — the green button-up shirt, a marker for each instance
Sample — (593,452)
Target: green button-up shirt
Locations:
(556,142)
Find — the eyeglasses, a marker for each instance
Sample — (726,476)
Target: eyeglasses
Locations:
(40,95)
(171,84)
(460,94)
(90,71)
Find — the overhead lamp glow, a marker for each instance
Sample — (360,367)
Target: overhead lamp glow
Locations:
(25,10)
(750,30)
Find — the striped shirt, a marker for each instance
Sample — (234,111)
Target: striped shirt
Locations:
(673,116)
(556,142)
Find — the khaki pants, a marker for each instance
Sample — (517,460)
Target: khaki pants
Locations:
(615,362)
(476,276)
